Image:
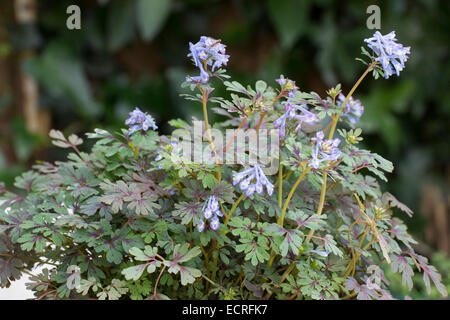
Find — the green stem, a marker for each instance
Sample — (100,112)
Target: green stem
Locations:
(208,132)
(291,193)
(349,296)
(214,269)
(271,258)
(205,254)
(233,208)
(280,183)
(324,181)
(213,283)
(283,211)
(336,118)
(323,192)
(235,134)
(330,136)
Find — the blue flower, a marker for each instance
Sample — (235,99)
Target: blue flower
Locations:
(353,109)
(207,50)
(320,253)
(211,211)
(287,85)
(251,180)
(139,120)
(281,81)
(201,225)
(215,223)
(291,108)
(390,54)
(159,156)
(304,116)
(324,150)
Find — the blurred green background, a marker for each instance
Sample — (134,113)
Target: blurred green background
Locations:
(133,53)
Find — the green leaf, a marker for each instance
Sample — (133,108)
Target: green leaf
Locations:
(401,264)
(139,289)
(113,291)
(209,181)
(85,285)
(59,139)
(188,212)
(149,255)
(135,272)
(73,280)
(188,275)
(151,15)
(330,245)
(260,86)
(114,256)
(181,253)
(9,270)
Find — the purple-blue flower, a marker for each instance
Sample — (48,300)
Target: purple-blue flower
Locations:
(211,211)
(253,179)
(291,113)
(320,253)
(214,223)
(201,225)
(291,108)
(159,156)
(207,50)
(287,84)
(139,120)
(353,109)
(324,150)
(390,54)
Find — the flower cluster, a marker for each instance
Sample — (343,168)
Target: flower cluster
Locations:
(211,211)
(249,175)
(305,116)
(353,108)
(139,120)
(324,150)
(390,54)
(287,84)
(138,216)
(206,52)
(292,108)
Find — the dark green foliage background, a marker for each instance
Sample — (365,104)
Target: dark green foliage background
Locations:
(133,53)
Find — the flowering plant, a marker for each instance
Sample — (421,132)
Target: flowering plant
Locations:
(138,218)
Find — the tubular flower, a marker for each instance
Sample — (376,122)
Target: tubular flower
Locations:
(287,84)
(353,109)
(305,116)
(390,54)
(139,120)
(201,225)
(320,253)
(324,150)
(210,211)
(253,179)
(291,108)
(206,52)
